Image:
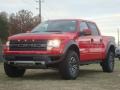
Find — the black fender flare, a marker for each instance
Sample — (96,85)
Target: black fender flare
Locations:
(110,43)
(69,44)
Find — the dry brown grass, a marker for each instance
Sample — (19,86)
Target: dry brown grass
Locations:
(91,78)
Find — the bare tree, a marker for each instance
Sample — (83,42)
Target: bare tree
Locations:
(22,21)
(3,26)
(36,20)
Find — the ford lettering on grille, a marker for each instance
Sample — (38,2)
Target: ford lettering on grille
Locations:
(28,45)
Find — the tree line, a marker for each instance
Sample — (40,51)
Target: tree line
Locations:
(15,23)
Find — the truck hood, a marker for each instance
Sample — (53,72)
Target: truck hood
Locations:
(43,35)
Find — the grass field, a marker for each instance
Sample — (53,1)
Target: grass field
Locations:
(91,78)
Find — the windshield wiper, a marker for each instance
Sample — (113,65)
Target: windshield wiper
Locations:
(54,31)
(47,31)
(35,31)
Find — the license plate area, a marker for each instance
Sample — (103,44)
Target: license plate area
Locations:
(31,58)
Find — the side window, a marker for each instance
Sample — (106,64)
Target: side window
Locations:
(83,25)
(94,28)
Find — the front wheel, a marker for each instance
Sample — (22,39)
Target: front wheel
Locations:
(69,67)
(13,71)
(108,64)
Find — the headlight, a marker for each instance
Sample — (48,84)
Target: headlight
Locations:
(53,44)
(7,43)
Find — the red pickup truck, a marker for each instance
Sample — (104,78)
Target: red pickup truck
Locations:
(62,44)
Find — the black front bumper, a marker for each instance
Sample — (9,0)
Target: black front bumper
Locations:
(33,61)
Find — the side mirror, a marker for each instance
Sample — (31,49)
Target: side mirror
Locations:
(87,32)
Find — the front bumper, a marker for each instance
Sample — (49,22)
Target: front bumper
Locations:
(33,61)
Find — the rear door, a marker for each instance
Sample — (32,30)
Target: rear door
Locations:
(96,42)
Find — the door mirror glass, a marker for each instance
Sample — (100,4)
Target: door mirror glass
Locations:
(87,32)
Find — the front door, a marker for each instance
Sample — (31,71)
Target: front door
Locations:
(84,43)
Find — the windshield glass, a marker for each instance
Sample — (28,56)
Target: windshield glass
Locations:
(56,26)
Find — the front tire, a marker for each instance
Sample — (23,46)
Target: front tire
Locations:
(108,64)
(12,71)
(69,67)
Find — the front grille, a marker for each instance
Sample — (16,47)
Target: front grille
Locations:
(28,45)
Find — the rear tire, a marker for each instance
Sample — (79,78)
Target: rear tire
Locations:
(108,64)
(119,58)
(69,67)
(12,71)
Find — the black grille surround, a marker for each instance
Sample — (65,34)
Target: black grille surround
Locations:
(28,45)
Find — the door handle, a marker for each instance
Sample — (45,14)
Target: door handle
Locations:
(92,40)
(101,40)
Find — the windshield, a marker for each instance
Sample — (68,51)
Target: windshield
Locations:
(56,26)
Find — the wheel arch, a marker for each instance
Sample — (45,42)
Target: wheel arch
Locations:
(110,46)
(72,45)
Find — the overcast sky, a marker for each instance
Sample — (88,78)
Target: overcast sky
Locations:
(106,13)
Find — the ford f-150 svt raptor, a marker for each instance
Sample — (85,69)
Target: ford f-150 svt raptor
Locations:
(62,44)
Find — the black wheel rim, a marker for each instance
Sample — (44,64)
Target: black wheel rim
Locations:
(111,60)
(73,65)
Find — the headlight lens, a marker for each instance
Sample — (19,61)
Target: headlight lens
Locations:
(53,44)
(7,43)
